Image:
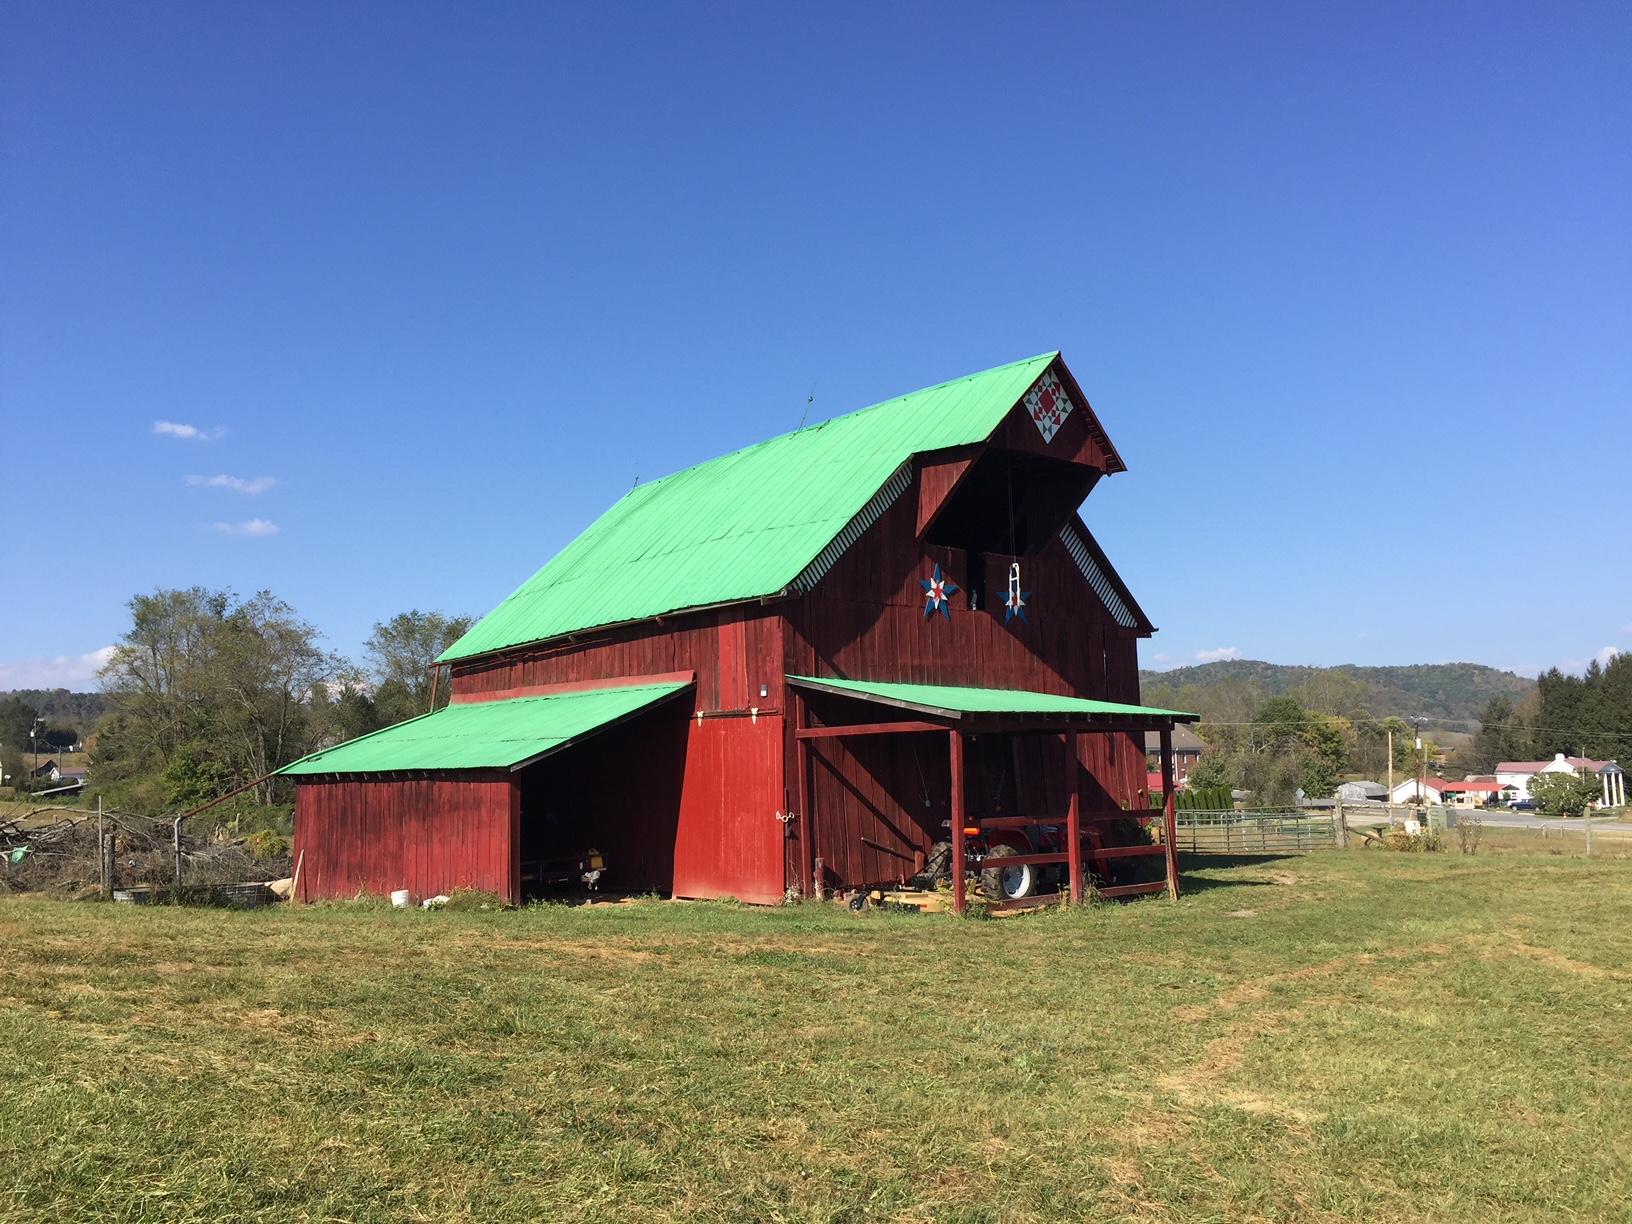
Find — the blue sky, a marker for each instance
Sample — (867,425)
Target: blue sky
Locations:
(1349,286)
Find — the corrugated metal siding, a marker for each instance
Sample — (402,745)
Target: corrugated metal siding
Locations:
(482,735)
(429,836)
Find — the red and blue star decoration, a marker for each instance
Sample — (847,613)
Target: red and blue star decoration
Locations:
(1015,604)
(938,592)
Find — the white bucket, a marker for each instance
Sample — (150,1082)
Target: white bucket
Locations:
(400,898)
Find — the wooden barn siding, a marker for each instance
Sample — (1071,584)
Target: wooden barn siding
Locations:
(1074,441)
(871,789)
(727,840)
(429,836)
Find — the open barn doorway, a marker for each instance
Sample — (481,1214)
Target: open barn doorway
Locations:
(601,817)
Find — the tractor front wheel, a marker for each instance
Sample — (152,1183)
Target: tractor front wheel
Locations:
(1006,883)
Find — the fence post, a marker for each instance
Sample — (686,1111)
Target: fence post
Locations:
(1340,829)
(109,866)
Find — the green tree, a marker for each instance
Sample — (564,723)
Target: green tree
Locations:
(204,687)
(400,653)
(1214,769)
(1500,738)
(1564,794)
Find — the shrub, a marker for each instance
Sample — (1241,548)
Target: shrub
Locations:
(265,844)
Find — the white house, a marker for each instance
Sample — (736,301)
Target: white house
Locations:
(1517,774)
(1412,791)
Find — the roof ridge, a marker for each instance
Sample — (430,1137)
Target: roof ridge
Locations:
(846,416)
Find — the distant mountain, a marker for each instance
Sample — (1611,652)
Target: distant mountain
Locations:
(1231,688)
(62,708)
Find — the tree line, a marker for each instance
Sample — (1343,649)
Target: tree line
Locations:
(1589,715)
(208,691)
(1279,746)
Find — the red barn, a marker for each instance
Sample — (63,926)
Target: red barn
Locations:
(804,664)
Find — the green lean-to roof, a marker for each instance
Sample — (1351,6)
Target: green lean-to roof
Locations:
(954,700)
(485,734)
(747,524)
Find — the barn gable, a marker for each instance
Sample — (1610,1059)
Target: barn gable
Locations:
(770,519)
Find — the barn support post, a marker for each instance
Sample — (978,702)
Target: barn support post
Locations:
(1170,823)
(801,773)
(1073,813)
(959,817)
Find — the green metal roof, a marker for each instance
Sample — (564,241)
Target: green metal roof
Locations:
(955,701)
(747,524)
(485,734)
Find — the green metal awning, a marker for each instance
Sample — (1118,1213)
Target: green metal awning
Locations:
(503,734)
(951,701)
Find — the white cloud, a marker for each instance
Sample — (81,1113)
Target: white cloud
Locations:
(191,433)
(251,486)
(253,527)
(60,671)
(1214,656)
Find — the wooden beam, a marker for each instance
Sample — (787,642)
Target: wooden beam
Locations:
(894,728)
(1170,824)
(959,859)
(1110,852)
(807,822)
(1073,816)
(1130,890)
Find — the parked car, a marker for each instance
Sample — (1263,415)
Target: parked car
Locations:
(1523,805)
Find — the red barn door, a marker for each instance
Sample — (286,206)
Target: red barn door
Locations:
(730,842)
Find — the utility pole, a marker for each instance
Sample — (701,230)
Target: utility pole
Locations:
(1422,770)
(1390,798)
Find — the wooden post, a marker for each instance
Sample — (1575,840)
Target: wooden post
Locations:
(101,854)
(1340,827)
(1170,823)
(955,747)
(1586,817)
(110,868)
(1073,814)
(807,826)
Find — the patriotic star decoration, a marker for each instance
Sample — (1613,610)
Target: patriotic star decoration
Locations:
(1015,605)
(938,592)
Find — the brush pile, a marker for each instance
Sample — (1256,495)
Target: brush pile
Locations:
(56,850)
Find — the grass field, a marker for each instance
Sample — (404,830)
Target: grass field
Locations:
(1367,1035)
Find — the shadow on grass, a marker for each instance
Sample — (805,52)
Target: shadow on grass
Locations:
(1189,864)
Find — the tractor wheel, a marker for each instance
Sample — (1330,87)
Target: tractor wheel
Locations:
(1006,883)
(939,862)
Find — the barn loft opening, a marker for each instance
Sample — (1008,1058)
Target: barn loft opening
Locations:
(1011,503)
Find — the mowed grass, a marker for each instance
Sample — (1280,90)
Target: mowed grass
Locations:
(1367,1035)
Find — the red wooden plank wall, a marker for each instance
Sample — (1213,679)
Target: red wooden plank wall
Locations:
(866,620)
(732,650)
(428,836)
(725,839)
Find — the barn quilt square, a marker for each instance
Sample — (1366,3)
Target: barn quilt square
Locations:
(1048,405)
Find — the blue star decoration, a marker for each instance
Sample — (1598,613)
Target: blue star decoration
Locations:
(938,592)
(1015,605)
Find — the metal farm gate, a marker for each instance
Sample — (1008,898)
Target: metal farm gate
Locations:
(1262,831)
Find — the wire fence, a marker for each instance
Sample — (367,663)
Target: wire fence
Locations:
(83,852)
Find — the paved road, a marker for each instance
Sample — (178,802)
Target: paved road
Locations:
(1527,820)
(1520,820)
